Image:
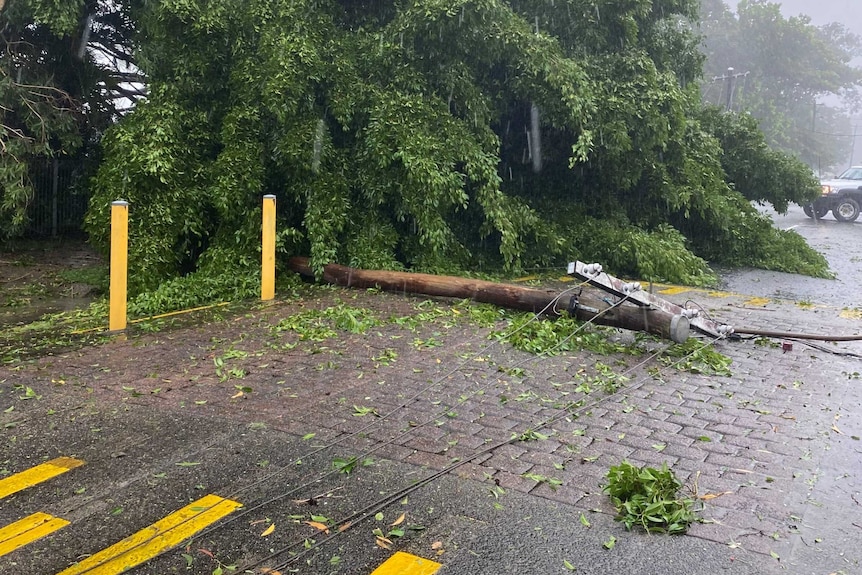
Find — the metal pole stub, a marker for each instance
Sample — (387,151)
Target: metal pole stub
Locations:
(679,328)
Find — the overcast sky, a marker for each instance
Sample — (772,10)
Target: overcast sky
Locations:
(847,12)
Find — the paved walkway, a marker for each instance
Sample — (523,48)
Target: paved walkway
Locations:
(774,447)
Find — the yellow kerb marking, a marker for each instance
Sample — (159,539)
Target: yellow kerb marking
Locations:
(158,537)
(720,294)
(851,313)
(674,290)
(38,474)
(758,301)
(407,564)
(28,530)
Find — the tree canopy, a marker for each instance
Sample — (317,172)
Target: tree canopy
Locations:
(63,67)
(784,68)
(436,134)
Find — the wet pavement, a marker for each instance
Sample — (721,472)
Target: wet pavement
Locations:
(840,243)
(461,449)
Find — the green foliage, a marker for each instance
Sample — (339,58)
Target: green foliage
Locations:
(395,136)
(168,220)
(376,143)
(695,356)
(753,168)
(649,498)
(96,276)
(779,250)
(527,333)
(62,16)
(658,255)
(195,290)
(791,66)
(609,380)
(55,99)
(320,325)
(347,465)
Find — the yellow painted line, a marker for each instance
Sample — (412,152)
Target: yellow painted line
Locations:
(722,294)
(757,301)
(158,537)
(851,313)
(28,530)
(38,474)
(159,316)
(406,564)
(674,290)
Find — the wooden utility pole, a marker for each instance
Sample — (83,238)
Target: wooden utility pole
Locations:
(585,303)
(730,78)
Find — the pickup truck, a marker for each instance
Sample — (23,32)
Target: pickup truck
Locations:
(842,196)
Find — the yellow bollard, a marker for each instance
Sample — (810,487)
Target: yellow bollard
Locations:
(267,272)
(119,264)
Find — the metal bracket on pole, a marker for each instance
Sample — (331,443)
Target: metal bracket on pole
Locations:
(633,293)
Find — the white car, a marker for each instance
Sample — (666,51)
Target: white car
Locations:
(842,196)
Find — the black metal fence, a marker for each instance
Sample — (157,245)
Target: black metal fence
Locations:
(60,198)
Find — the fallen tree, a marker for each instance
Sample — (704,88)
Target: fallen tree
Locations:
(437,136)
(582,301)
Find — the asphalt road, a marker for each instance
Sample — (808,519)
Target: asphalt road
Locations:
(840,243)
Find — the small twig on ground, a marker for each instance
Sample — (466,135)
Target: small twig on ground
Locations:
(753,308)
(313,500)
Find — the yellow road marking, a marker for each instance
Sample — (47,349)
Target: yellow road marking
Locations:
(406,564)
(722,294)
(757,301)
(158,537)
(38,474)
(674,290)
(28,530)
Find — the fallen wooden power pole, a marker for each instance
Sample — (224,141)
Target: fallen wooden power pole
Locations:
(584,305)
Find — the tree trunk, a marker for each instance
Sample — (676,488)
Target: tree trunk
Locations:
(588,306)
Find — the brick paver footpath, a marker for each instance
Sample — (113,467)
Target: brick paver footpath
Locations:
(773,448)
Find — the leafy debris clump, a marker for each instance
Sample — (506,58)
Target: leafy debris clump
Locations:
(650,498)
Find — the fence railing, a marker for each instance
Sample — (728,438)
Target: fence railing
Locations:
(59,202)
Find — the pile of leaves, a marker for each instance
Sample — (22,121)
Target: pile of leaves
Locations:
(650,498)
